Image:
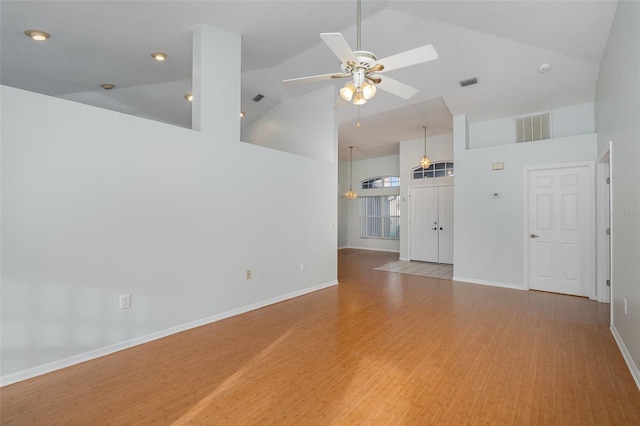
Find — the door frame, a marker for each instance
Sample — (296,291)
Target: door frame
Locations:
(591,208)
(409,210)
(603,221)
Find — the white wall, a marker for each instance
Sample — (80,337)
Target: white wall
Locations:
(285,127)
(439,148)
(568,121)
(364,169)
(343,204)
(97,204)
(487,228)
(618,120)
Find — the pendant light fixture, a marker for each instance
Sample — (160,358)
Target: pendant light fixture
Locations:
(425,162)
(350,195)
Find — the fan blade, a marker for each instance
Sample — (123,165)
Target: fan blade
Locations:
(415,56)
(397,88)
(339,47)
(318,77)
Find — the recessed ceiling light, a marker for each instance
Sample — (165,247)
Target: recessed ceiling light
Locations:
(37,35)
(159,56)
(544,68)
(241,114)
(107,86)
(189,97)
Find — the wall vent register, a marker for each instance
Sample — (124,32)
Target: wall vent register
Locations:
(535,127)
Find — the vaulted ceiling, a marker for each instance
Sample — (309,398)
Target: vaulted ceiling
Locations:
(502,43)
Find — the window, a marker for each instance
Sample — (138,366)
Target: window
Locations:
(380,217)
(435,170)
(381,182)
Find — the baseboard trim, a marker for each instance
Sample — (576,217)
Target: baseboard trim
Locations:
(372,249)
(107,350)
(489,283)
(633,368)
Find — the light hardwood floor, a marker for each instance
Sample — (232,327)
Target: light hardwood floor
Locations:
(381,348)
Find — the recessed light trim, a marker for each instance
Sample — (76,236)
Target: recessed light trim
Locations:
(189,97)
(107,86)
(159,56)
(37,35)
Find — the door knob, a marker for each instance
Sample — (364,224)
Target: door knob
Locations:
(534,236)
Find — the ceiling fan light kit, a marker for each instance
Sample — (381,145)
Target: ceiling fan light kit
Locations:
(363,68)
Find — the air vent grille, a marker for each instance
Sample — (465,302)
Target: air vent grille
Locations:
(533,127)
(469,82)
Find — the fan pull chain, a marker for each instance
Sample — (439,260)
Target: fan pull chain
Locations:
(358,123)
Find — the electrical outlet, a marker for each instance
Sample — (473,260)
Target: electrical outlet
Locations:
(497,261)
(625,306)
(248,274)
(302,267)
(125,301)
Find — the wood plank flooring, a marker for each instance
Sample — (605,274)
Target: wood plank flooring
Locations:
(381,348)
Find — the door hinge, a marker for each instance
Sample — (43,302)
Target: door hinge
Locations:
(609,283)
(608,231)
(608,180)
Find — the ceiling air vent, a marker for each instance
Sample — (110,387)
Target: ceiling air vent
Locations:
(469,82)
(535,127)
(258,97)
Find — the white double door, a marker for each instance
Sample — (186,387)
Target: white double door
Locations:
(431,224)
(560,229)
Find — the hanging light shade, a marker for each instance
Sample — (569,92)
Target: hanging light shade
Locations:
(358,98)
(350,194)
(425,162)
(347,91)
(368,90)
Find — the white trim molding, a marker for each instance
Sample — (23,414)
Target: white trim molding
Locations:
(372,249)
(489,283)
(107,350)
(633,368)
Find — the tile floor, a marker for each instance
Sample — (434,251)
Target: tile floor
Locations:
(425,269)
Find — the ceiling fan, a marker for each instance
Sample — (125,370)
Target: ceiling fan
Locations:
(364,68)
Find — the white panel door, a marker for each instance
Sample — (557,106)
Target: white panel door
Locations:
(445,224)
(423,237)
(560,222)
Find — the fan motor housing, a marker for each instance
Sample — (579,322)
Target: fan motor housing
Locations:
(366,59)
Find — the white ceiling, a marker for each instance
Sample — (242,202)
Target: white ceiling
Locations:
(502,43)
